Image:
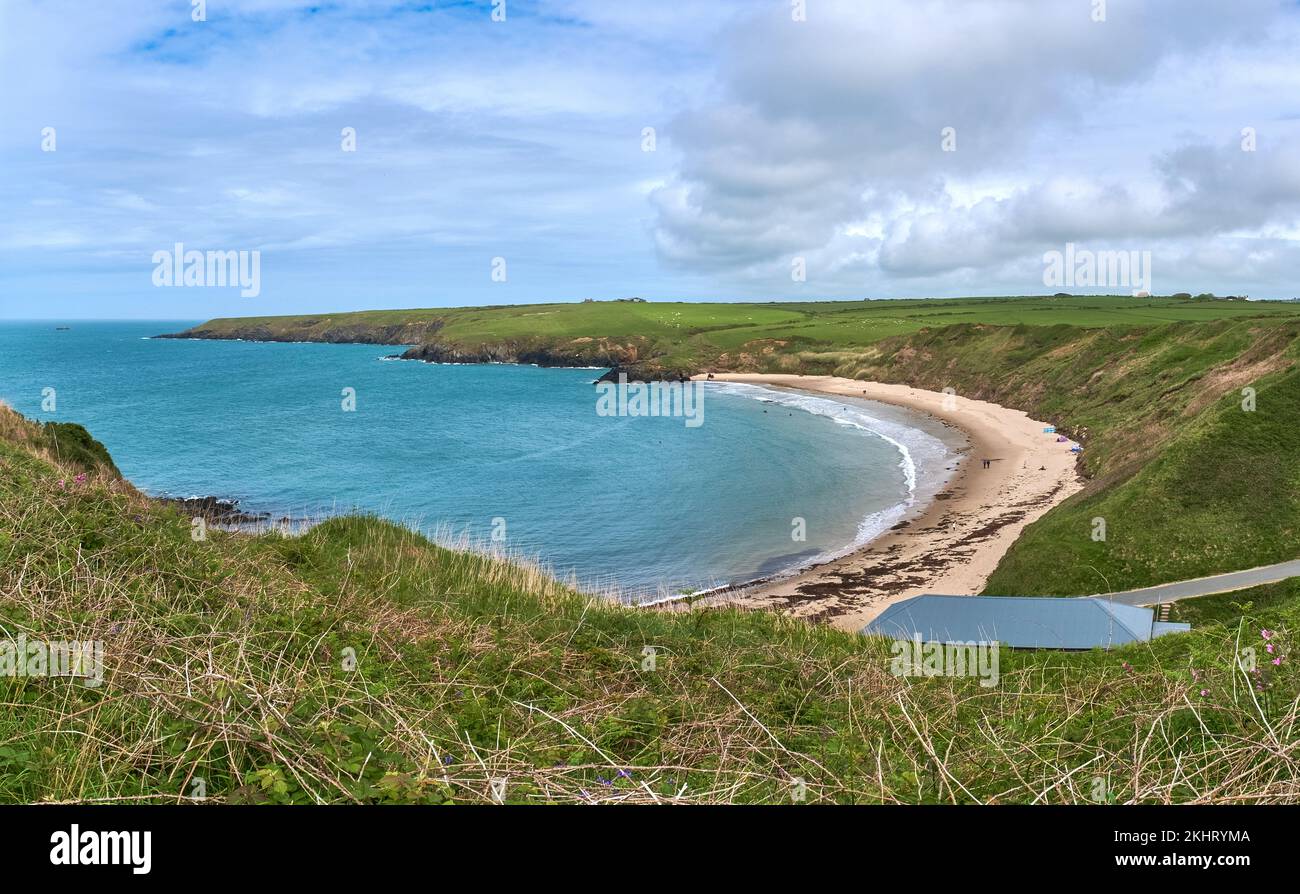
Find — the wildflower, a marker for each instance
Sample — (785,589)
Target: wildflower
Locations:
(1267,634)
(1269,648)
(80,479)
(62,484)
(625,774)
(1277,660)
(1204,693)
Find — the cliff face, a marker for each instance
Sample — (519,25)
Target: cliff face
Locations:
(634,355)
(541,353)
(317,330)
(63,442)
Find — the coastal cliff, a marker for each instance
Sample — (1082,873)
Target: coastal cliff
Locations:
(435,339)
(620,357)
(313,329)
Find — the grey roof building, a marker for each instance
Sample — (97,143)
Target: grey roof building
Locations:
(1021,622)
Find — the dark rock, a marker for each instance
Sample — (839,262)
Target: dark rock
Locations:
(215,510)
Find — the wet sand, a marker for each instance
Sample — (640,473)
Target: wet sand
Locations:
(954,544)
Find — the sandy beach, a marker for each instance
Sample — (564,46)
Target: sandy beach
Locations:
(954,544)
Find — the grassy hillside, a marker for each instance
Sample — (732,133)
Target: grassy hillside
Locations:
(1189,483)
(362,663)
(667,337)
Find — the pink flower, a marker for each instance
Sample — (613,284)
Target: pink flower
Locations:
(81,479)
(1204,692)
(1269,648)
(1277,660)
(62,484)
(1267,634)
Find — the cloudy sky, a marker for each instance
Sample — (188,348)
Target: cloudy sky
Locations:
(778,134)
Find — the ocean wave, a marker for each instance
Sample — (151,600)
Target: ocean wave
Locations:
(915,448)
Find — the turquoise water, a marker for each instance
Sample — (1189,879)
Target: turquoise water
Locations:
(646,504)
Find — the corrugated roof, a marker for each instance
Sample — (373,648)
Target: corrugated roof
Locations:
(1022,622)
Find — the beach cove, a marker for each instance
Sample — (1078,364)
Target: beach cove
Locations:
(953,544)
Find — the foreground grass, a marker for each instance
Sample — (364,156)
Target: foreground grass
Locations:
(361,662)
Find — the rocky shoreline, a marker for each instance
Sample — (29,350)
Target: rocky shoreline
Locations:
(621,358)
(524,353)
(216,511)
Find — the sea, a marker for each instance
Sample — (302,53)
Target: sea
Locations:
(518,459)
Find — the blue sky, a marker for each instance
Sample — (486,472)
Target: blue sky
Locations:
(776,138)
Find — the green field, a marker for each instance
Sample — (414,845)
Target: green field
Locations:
(678,336)
(361,663)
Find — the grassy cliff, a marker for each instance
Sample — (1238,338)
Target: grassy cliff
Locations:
(361,662)
(666,338)
(1189,483)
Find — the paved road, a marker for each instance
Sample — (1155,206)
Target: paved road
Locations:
(1204,586)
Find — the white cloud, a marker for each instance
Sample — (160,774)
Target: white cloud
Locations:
(776,139)
(1067,130)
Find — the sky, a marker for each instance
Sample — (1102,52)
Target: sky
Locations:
(508,151)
